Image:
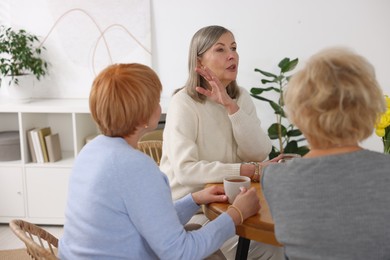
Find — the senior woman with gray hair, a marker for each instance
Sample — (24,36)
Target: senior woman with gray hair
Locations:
(212,130)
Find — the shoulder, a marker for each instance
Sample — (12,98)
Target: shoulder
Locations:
(370,160)
(182,103)
(279,174)
(374,155)
(275,170)
(244,96)
(120,154)
(181,97)
(242,92)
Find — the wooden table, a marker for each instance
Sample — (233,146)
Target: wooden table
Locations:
(259,227)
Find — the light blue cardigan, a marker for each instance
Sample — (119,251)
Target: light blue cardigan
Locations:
(120,207)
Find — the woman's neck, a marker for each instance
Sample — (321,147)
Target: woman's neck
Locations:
(339,149)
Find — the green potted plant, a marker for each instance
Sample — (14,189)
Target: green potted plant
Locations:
(288,135)
(20,54)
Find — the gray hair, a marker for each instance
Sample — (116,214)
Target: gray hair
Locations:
(203,40)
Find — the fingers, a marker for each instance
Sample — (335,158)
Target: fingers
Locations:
(243,190)
(205,73)
(218,189)
(221,198)
(253,189)
(208,75)
(203,91)
(213,194)
(277,158)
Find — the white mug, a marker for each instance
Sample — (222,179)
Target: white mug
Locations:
(232,185)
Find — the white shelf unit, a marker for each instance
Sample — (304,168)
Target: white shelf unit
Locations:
(37,192)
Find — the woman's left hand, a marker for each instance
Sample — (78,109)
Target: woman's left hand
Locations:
(210,194)
(273,160)
(218,92)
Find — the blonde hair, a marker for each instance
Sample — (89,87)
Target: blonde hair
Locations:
(124,96)
(201,42)
(335,99)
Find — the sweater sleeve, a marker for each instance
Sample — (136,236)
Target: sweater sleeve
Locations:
(155,217)
(253,143)
(182,160)
(189,160)
(185,208)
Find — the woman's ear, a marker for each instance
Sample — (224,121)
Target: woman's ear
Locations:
(199,62)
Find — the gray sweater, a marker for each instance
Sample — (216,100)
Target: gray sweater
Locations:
(331,207)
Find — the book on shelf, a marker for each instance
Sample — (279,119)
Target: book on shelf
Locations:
(42,132)
(31,145)
(37,145)
(39,151)
(53,147)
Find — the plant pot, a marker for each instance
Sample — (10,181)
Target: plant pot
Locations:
(21,93)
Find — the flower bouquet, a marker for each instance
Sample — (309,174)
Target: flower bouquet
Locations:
(382,129)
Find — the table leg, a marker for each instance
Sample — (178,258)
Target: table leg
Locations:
(242,248)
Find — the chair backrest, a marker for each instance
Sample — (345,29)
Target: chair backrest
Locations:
(40,244)
(153,148)
(156,134)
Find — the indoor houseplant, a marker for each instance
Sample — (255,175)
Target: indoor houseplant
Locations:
(287,135)
(20,54)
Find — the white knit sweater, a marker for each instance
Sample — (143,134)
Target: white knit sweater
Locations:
(202,143)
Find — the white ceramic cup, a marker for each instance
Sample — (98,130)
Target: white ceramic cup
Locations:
(233,184)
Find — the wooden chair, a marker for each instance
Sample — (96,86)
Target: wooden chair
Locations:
(153,148)
(153,135)
(40,244)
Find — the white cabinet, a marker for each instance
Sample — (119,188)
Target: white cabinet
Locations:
(46,193)
(37,191)
(11,192)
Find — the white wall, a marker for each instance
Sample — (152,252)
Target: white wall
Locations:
(81,38)
(267,31)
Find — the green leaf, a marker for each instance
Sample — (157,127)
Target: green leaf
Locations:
(289,66)
(273,131)
(294,132)
(277,108)
(265,73)
(300,139)
(303,150)
(283,62)
(274,153)
(261,98)
(291,147)
(266,81)
(258,91)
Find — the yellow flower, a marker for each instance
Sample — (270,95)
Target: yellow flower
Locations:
(384,120)
(382,127)
(380,132)
(383,124)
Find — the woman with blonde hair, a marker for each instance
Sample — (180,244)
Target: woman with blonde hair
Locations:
(333,202)
(119,203)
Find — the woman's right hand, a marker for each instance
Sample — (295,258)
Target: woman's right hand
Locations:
(247,202)
(218,92)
